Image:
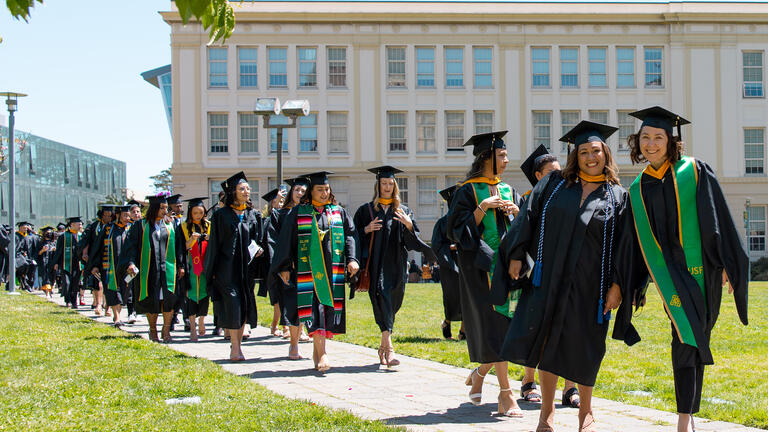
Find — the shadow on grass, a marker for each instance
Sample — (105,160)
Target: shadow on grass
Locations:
(417,339)
(113,337)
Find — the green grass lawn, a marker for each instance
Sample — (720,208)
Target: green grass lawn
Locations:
(734,388)
(62,372)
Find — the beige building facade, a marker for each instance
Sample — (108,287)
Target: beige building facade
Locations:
(405,84)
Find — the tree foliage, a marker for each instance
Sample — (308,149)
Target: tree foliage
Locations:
(20,8)
(162,182)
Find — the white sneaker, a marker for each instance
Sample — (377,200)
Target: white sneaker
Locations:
(131,318)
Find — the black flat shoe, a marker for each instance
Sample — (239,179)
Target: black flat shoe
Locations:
(446,327)
(571,398)
(462,335)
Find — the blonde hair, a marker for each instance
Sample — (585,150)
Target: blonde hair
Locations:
(395,195)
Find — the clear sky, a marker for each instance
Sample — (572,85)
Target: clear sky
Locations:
(80,63)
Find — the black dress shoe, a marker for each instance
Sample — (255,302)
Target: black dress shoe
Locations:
(446,327)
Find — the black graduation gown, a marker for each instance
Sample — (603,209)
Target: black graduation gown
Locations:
(555,327)
(286,259)
(229,269)
(721,249)
(485,328)
(269,284)
(389,260)
(4,242)
(70,280)
(25,259)
(96,257)
(449,271)
(43,260)
(87,242)
(190,307)
(159,297)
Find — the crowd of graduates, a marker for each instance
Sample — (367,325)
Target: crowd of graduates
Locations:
(535,278)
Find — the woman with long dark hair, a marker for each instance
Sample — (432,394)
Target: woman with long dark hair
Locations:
(387,229)
(192,248)
(316,244)
(103,262)
(569,225)
(149,254)
(231,261)
(479,216)
(681,234)
(43,257)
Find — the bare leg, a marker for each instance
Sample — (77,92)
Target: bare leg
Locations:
(275,320)
(586,419)
(236,337)
(293,347)
(477,378)
(684,422)
(152,318)
(193,328)
(320,356)
(547,414)
(167,318)
(201,326)
(507,404)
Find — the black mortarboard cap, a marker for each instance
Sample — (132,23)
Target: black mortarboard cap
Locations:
(18,224)
(318,178)
(587,131)
(134,203)
(123,208)
(269,196)
(531,164)
(194,202)
(174,199)
(300,180)
(448,192)
(485,142)
(107,207)
(231,183)
(661,118)
(46,228)
(157,199)
(61,225)
(385,171)
(73,219)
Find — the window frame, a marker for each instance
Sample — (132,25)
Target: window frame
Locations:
(224,127)
(563,62)
(390,61)
(537,139)
(331,73)
(270,63)
(591,62)
(454,126)
(646,62)
(535,61)
(476,62)
(300,62)
(421,139)
(620,61)
(403,127)
(332,126)
(301,128)
(759,145)
(255,64)
(448,62)
(241,127)
(420,62)
(223,61)
(761,68)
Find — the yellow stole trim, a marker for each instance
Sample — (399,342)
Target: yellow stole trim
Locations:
(486,180)
(657,173)
(320,204)
(385,201)
(592,179)
(241,207)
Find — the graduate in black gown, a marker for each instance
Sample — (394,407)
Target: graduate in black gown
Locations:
(4,242)
(87,242)
(390,225)
(134,211)
(569,226)
(43,256)
(149,256)
(103,259)
(67,263)
(274,199)
(26,266)
(696,251)
(232,261)
(175,215)
(317,243)
(478,218)
(191,249)
(445,251)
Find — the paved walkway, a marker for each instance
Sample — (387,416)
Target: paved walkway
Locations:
(420,395)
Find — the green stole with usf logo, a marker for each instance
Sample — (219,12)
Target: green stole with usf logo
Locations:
(685,178)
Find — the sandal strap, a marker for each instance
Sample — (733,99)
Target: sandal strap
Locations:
(528,386)
(506,389)
(477,371)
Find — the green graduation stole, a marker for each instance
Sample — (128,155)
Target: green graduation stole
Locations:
(111,276)
(70,240)
(312,278)
(195,257)
(491,237)
(170,260)
(685,177)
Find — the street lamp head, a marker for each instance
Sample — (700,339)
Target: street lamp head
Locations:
(11,98)
(267,106)
(748,201)
(296,108)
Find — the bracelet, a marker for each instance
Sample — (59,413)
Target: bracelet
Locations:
(481,209)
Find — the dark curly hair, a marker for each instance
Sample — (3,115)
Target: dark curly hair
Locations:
(476,170)
(229,199)
(307,198)
(675,148)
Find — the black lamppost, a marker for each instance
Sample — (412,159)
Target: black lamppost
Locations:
(269,107)
(11,99)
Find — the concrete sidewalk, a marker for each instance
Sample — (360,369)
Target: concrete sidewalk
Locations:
(420,395)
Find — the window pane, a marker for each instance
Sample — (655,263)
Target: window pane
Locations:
(754,150)
(425,131)
(425,67)
(308,133)
(217,67)
(568,119)
(307,67)
(483,122)
(217,135)
(278,69)
(427,196)
(542,121)
(627,126)
(396,125)
(454,121)
(248,66)
(337,132)
(540,68)
(395,66)
(569,67)
(653,67)
(454,67)
(249,132)
(337,67)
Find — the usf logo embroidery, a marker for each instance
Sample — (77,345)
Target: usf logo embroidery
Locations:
(196,260)
(675,301)
(319,275)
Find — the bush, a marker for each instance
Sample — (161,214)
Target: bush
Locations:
(760,269)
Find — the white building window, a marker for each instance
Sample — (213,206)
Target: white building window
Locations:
(597,68)
(217,132)
(337,67)
(425,131)
(425,67)
(453,180)
(483,122)
(395,66)
(247,65)
(248,124)
(568,120)
(598,116)
(757,228)
(307,67)
(278,67)
(217,66)
(308,133)
(540,57)
(427,196)
(454,67)
(337,132)
(569,67)
(542,129)
(402,184)
(754,150)
(396,125)
(627,126)
(340,188)
(654,67)
(753,73)
(625,67)
(454,124)
(483,61)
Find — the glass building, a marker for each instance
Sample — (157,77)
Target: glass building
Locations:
(55,181)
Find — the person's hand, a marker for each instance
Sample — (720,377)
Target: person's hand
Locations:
(285,276)
(195,235)
(403,218)
(353,267)
(612,299)
(95,271)
(55,267)
(726,281)
(85,256)
(133,270)
(452,247)
(514,268)
(511,208)
(259,253)
(44,248)
(181,272)
(491,203)
(375,225)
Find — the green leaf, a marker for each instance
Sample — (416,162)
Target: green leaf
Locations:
(185,10)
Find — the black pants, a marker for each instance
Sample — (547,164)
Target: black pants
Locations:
(70,286)
(688,372)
